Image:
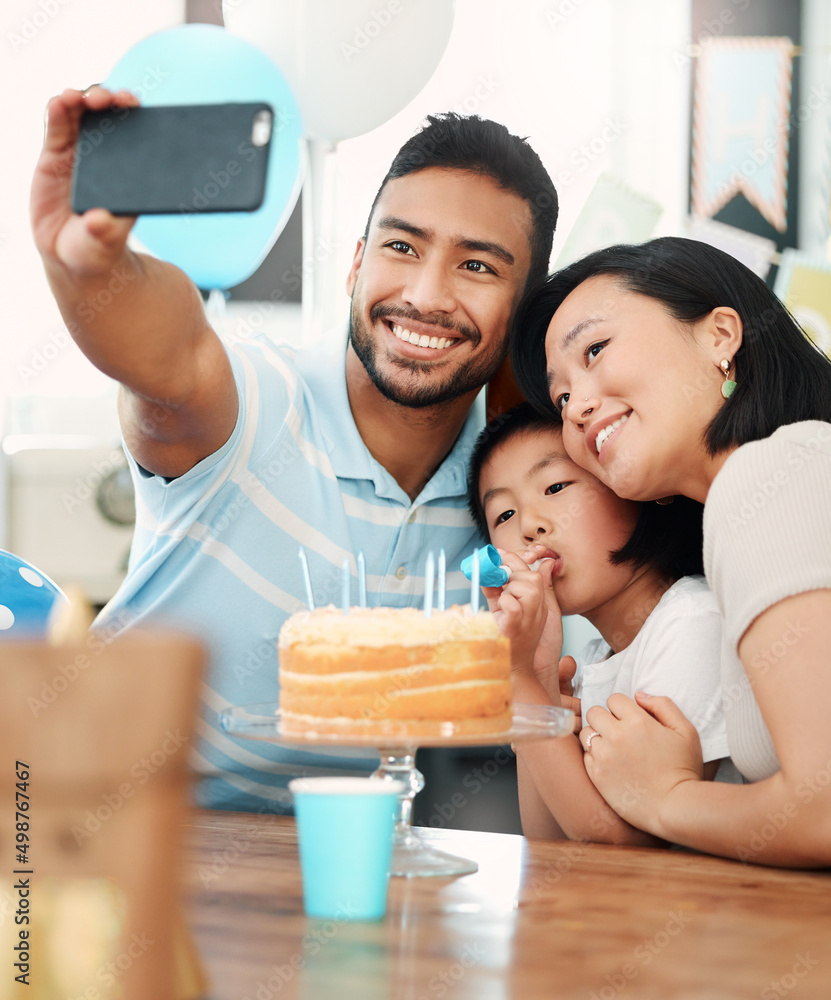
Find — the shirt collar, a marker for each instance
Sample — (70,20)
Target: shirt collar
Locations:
(322,366)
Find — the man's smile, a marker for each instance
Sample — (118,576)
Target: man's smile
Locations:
(421,340)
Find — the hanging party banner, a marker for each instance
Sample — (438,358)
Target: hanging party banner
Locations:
(803,284)
(612,213)
(740,125)
(755,252)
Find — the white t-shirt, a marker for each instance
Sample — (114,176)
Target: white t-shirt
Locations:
(767,536)
(676,653)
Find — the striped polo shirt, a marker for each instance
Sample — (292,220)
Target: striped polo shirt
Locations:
(215,551)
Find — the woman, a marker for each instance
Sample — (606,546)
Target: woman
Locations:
(677,371)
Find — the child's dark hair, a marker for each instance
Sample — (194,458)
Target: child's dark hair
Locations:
(667,536)
(507,425)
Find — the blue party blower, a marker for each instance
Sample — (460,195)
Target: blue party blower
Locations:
(491,571)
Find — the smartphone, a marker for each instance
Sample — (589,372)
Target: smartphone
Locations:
(176,159)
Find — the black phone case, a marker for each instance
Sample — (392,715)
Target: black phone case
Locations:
(176,159)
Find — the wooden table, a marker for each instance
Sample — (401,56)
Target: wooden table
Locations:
(538,919)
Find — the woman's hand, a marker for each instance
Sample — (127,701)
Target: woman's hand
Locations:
(642,751)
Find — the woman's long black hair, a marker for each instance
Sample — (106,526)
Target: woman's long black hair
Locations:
(781,377)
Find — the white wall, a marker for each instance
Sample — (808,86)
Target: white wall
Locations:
(564,73)
(553,70)
(814,67)
(558,72)
(45,46)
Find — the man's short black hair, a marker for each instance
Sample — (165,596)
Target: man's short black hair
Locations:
(667,536)
(468,142)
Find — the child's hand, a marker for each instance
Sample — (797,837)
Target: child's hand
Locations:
(526,612)
(550,644)
(518,608)
(568,668)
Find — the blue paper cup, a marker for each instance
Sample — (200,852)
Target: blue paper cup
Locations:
(345,832)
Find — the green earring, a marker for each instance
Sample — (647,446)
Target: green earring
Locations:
(728,386)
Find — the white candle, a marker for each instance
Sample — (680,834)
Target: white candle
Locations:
(474,584)
(307,580)
(344,601)
(442,580)
(361,580)
(429,580)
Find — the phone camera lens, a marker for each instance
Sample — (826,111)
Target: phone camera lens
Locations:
(261,132)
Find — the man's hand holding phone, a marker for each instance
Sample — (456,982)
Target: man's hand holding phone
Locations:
(87,245)
(138,319)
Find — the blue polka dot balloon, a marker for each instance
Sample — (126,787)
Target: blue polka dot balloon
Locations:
(26,598)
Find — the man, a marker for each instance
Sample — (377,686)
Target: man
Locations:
(242,453)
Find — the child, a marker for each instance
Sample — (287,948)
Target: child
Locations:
(632,569)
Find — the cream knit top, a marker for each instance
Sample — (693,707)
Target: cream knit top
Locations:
(767,536)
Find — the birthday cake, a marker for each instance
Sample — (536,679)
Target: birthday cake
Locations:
(393,670)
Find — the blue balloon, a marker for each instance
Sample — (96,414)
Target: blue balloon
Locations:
(204,64)
(26,598)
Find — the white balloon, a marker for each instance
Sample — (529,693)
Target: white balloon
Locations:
(352,64)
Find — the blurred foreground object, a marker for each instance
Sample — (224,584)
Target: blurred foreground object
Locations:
(70,620)
(93,784)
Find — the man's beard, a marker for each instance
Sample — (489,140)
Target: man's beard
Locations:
(412,391)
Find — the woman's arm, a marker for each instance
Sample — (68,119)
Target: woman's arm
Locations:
(783,820)
(552,777)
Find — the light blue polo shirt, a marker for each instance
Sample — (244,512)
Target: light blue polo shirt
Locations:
(215,551)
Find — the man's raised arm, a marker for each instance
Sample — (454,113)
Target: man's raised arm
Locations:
(138,319)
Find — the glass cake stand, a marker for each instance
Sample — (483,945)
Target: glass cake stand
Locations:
(412,856)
